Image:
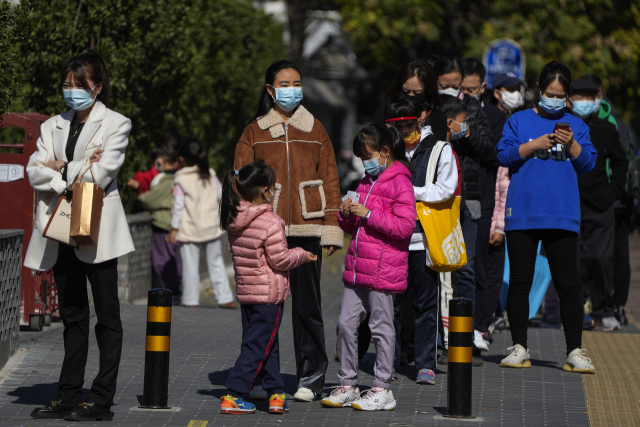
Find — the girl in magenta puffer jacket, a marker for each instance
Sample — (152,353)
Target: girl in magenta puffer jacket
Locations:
(262,261)
(381,224)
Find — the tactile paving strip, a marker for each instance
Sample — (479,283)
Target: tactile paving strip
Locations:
(613,393)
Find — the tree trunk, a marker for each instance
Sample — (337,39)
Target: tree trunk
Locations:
(297,14)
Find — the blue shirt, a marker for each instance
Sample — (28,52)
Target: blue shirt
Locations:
(543,192)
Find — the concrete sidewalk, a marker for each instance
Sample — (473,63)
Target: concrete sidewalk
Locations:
(206,341)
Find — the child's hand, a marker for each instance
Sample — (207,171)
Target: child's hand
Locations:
(496,239)
(359,210)
(171,238)
(133,184)
(344,208)
(311,257)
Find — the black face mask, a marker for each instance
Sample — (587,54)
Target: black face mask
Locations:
(422,98)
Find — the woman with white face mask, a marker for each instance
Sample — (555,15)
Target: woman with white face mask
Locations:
(89,135)
(508,91)
(285,136)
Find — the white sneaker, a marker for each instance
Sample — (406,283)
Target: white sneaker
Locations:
(258,393)
(376,399)
(610,324)
(341,397)
(304,395)
(577,362)
(518,358)
(479,342)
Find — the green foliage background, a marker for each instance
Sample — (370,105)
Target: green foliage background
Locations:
(13,23)
(194,67)
(589,36)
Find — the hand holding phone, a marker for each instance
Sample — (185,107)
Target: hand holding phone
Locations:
(563,133)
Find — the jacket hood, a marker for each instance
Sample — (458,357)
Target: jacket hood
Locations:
(605,110)
(247,212)
(188,169)
(396,169)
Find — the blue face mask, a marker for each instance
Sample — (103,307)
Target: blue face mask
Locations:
(552,105)
(583,109)
(288,98)
(78,99)
(458,135)
(372,166)
(596,105)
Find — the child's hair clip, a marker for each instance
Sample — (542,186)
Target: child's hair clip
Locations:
(237,172)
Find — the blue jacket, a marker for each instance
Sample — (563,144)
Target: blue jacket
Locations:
(544,188)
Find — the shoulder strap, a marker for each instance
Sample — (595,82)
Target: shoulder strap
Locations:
(432,167)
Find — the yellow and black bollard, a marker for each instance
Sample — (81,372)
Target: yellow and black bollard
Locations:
(460,354)
(156,359)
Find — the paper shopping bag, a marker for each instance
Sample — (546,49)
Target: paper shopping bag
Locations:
(86,211)
(59,226)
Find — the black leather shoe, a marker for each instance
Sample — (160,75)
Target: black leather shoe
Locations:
(55,409)
(89,411)
(621,316)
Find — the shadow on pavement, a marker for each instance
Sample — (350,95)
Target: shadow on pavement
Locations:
(39,394)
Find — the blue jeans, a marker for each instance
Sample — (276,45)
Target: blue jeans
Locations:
(426,294)
(466,276)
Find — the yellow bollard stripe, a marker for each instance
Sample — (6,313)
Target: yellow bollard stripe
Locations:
(460,354)
(460,324)
(159,314)
(157,343)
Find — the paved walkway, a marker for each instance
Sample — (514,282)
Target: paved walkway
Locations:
(206,341)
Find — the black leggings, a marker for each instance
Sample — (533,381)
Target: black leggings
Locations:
(561,249)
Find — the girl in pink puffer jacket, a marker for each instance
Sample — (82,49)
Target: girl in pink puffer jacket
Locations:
(262,261)
(381,223)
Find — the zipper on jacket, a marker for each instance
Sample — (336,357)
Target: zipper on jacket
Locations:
(355,247)
(286,142)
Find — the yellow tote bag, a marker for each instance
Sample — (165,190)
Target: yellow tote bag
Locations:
(441,224)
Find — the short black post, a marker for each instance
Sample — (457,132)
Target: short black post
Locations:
(460,354)
(156,358)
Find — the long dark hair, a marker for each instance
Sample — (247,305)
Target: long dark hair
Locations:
(427,76)
(251,179)
(266,101)
(194,154)
(555,71)
(375,136)
(89,65)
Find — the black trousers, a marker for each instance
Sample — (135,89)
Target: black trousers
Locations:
(425,289)
(71,279)
(561,248)
(259,350)
(622,268)
(595,258)
(489,269)
(306,314)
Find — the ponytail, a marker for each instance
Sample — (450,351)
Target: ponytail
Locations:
(195,155)
(244,184)
(375,136)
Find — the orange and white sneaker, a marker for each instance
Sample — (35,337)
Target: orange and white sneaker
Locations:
(278,404)
(235,405)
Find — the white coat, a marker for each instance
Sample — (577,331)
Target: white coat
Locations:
(104,129)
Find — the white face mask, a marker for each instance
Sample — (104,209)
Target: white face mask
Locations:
(449,91)
(511,100)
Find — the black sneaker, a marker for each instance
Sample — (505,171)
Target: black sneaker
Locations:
(55,409)
(89,411)
(621,315)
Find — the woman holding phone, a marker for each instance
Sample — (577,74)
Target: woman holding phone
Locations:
(88,135)
(544,147)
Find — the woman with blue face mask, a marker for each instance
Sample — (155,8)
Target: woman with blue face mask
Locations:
(285,136)
(543,205)
(89,135)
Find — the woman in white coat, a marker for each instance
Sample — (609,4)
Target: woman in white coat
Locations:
(88,135)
